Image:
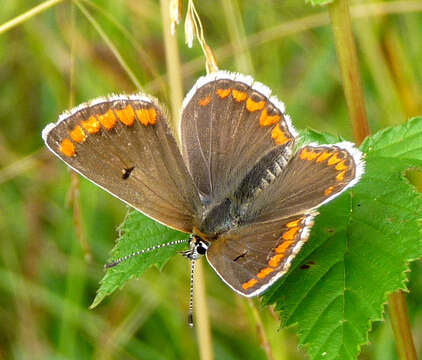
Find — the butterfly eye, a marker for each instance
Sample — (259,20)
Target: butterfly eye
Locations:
(201,249)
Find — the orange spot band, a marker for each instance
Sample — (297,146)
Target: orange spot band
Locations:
(294,223)
(275,260)
(340,176)
(249,284)
(329,191)
(147,116)
(290,234)
(281,249)
(278,135)
(67,148)
(254,105)
(324,156)
(239,95)
(77,134)
(108,120)
(92,125)
(204,101)
(126,116)
(267,120)
(333,159)
(264,272)
(341,166)
(223,93)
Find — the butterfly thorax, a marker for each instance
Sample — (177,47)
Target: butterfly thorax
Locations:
(235,209)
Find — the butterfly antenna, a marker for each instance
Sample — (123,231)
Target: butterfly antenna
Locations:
(139,252)
(192,272)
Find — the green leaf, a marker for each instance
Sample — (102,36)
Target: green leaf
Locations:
(359,251)
(136,233)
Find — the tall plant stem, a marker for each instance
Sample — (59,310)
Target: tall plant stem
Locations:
(401,327)
(201,314)
(173,67)
(349,66)
(201,317)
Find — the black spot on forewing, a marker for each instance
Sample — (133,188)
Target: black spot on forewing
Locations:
(126,172)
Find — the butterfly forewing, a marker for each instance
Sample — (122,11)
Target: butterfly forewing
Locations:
(124,145)
(229,122)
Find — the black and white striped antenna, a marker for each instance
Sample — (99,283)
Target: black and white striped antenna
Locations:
(143,251)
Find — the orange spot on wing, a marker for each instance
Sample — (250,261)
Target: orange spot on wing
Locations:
(67,147)
(278,135)
(264,272)
(333,159)
(92,125)
(324,156)
(267,120)
(249,284)
(147,116)
(223,93)
(77,134)
(294,223)
(126,116)
(254,105)
(290,234)
(340,176)
(108,120)
(281,249)
(204,101)
(239,95)
(329,191)
(275,260)
(308,155)
(341,166)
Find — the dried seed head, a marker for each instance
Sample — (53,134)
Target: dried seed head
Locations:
(189,29)
(175,9)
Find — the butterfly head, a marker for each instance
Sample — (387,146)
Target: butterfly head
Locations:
(197,247)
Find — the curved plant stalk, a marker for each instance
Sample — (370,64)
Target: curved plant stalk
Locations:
(349,66)
(110,44)
(27,15)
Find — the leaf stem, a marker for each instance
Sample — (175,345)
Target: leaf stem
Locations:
(400,323)
(349,67)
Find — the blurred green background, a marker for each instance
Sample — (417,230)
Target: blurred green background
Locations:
(51,263)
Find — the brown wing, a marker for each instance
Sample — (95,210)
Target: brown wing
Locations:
(253,257)
(123,144)
(315,175)
(277,218)
(228,123)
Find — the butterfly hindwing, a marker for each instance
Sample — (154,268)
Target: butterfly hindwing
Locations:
(252,257)
(123,144)
(315,175)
